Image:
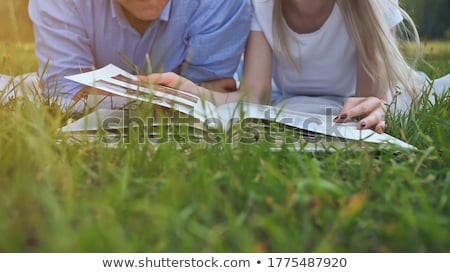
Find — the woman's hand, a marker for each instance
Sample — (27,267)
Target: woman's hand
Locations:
(371,110)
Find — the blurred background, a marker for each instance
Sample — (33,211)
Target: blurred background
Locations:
(14,21)
(432,19)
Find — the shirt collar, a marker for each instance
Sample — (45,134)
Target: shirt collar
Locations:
(116,10)
(165,14)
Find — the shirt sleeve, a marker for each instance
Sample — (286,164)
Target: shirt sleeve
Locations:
(255,26)
(216,40)
(392,13)
(62,45)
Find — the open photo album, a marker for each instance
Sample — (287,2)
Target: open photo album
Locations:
(204,115)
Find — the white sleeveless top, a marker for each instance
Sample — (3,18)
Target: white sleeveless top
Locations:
(327,57)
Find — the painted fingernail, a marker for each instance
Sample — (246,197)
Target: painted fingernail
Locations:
(336,119)
(343,117)
(363,124)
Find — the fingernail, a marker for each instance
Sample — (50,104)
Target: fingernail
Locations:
(336,118)
(363,124)
(343,117)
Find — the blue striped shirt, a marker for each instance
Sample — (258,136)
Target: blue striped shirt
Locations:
(200,39)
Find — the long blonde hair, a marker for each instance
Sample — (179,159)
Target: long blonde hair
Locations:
(376,47)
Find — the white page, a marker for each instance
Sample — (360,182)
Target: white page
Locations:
(321,124)
(106,79)
(96,120)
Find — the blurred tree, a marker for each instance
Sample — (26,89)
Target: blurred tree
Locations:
(431,17)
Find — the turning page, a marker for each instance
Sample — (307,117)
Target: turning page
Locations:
(121,83)
(314,123)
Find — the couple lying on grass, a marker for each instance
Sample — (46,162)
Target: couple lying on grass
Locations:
(306,55)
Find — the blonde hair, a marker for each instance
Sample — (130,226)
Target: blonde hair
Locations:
(376,47)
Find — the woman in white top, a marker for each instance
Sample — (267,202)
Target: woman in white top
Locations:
(321,54)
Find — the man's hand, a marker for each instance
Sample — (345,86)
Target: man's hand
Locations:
(174,80)
(169,79)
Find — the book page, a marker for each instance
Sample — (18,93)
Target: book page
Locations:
(97,120)
(121,83)
(115,120)
(320,124)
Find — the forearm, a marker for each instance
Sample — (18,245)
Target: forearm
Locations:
(221,85)
(257,77)
(220,98)
(367,87)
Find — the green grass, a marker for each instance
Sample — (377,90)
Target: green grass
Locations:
(62,197)
(57,196)
(434,59)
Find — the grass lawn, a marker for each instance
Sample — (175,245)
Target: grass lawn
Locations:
(56,196)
